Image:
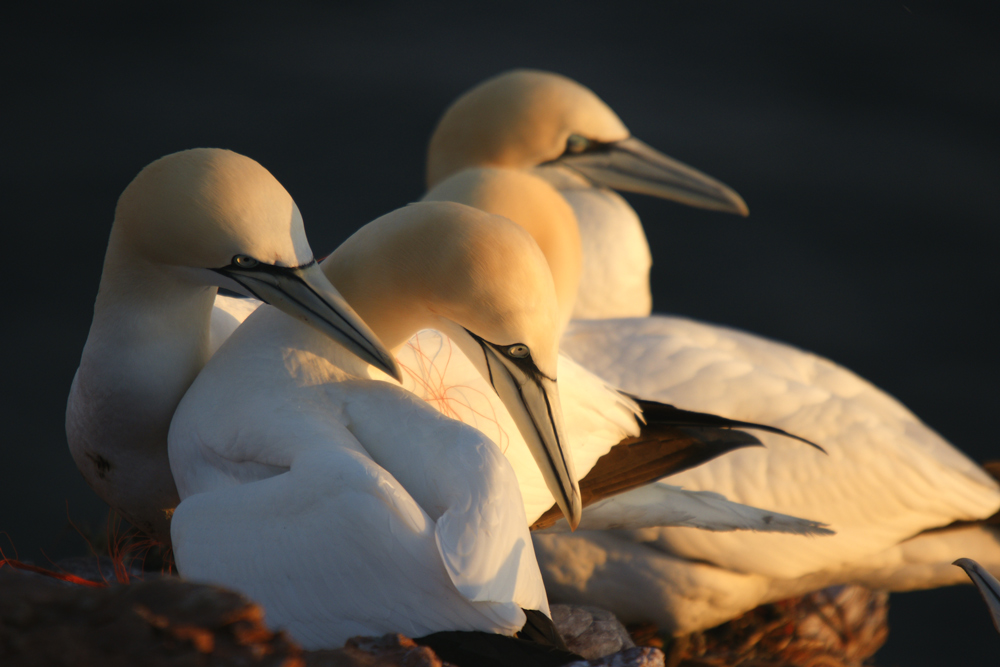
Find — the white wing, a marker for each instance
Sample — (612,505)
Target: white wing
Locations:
(662,504)
(595,416)
(344,506)
(887,475)
(461,480)
(608,568)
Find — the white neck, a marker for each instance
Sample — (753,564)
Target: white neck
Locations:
(148,340)
(614,280)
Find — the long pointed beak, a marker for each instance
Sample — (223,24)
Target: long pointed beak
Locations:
(633,166)
(986,584)
(533,401)
(305,293)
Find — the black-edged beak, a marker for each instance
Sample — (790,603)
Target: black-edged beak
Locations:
(986,584)
(632,166)
(532,398)
(305,293)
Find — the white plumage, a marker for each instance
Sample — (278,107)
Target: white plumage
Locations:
(187,224)
(228,312)
(345,505)
(616,258)
(597,418)
(886,477)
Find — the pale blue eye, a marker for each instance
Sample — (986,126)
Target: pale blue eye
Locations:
(518,351)
(244,261)
(577,144)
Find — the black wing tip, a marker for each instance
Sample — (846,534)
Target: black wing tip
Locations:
(669,414)
(777,431)
(726,439)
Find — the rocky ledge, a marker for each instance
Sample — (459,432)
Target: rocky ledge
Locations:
(162,621)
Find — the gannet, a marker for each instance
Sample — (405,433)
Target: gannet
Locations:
(189,223)
(348,506)
(618,448)
(340,501)
(610,419)
(887,477)
(540,209)
(544,122)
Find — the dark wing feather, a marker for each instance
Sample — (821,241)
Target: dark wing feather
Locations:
(668,414)
(538,644)
(662,448)
(671,441)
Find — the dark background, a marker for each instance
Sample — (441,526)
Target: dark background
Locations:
(862,135)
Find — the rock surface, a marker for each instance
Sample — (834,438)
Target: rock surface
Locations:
(162,621)
(589,631)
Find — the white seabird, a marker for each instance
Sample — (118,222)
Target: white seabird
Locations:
(607,437)
(887,477)
(341,502)
(187,224)
(603,417)
(565,134)
(346,505)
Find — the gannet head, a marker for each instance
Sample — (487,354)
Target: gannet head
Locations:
(483,281)
(217,218)
(535,205)
(526,118)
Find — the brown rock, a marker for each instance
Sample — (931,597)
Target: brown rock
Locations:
(165,622)
(162,622)
(392,650)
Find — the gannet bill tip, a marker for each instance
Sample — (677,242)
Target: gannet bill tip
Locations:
(986,584)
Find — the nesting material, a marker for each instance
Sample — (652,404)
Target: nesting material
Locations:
(839,626)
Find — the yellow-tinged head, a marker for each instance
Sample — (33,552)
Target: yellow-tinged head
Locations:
(201,207)
(518,119)
(216,218)
(482,280)
(525,118)
(533,204)
(435,260)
